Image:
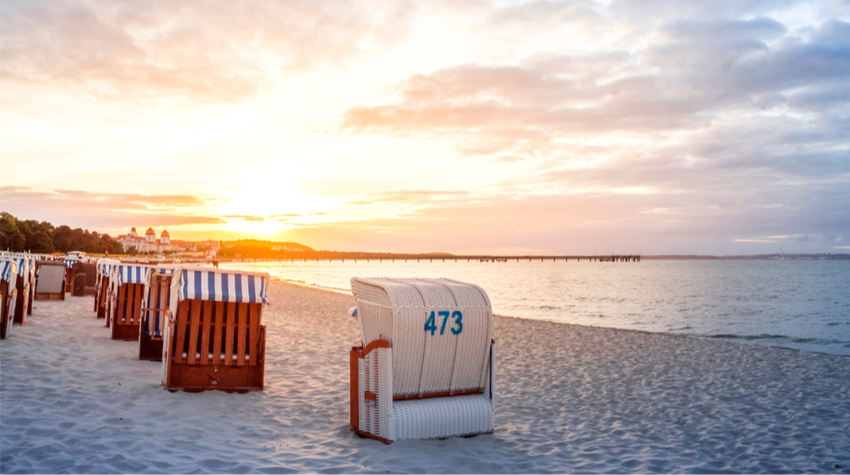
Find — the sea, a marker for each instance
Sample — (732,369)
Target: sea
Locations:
(798,304)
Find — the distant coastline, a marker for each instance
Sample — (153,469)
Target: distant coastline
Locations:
(762,257)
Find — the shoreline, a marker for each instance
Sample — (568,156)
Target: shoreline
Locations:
(707,338)
(570,398)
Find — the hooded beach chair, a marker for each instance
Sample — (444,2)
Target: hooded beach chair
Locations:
(8,294)
(50,280)
(154,311)
(215,338)
(126,289)
(425,367)
(23,284)
(84,279)
(101,285)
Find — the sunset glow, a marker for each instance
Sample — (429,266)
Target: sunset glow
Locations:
(576,127)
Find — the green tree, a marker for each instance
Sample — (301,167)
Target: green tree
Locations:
(39,236)
(62,238)
(12,237)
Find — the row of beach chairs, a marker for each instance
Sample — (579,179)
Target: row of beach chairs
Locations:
(424,368)
(24,278)
(204,324)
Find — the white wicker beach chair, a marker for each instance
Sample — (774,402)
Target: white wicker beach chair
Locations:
(425,369)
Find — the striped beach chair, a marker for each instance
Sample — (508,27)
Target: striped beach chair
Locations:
(24,283)
(215,338)
(101,285)
(425,367)
(126,289)
(8,294)
(50,280)
(154,311)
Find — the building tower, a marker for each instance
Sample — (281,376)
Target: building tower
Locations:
(133,232)
(150,237)
(164,238)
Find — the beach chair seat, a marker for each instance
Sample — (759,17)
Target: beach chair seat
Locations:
(154,311)
(214,338)
(126,289)
(425,367)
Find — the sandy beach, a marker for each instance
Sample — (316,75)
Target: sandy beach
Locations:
(569,399)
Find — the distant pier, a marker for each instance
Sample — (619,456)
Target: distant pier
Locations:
(367,257)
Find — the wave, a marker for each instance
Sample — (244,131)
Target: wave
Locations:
(729,336)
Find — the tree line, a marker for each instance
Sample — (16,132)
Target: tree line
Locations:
(43,238)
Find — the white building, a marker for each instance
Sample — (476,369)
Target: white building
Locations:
(149,243)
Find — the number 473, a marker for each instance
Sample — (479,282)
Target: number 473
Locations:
(431,323)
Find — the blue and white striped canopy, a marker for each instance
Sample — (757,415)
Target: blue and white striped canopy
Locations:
(26,266)
(203,283)
(128,274)
(104,266)
(25,261)
(8,268)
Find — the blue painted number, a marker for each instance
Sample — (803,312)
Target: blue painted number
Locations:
(431,322)
(458,322)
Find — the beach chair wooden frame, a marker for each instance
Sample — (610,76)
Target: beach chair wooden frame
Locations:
(126,290)
(154,313)
(50,283)
(210,344)
(101,286)
(414,376)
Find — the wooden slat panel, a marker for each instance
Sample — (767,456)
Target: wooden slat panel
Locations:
(253,333)
(207,318)
(122,300)
(193,330)
(228,346)
(182,318)
(133,319)
(219,329)
(242,329)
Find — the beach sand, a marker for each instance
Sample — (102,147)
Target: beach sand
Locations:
(569,399)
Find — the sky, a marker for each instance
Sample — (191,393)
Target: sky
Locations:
(581,127)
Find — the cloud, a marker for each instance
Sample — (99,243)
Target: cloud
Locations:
(414,197)
(204,51)
(109,211)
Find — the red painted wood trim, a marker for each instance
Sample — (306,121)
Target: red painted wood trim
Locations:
(373,345)
(456,392)
(354,361)
(373,436)
(369,396)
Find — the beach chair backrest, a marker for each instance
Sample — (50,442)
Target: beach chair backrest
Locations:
(439,330)
(51,277)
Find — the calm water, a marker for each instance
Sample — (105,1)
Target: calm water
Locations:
(794,304)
